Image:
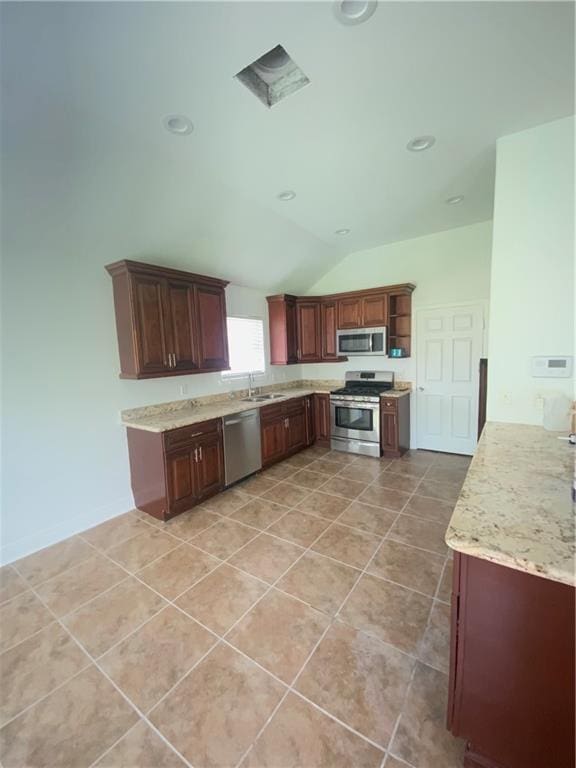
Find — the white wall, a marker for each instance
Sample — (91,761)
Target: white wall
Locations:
(532,284)
(65,460)
(447,267)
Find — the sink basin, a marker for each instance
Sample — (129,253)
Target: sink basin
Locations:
(261,398)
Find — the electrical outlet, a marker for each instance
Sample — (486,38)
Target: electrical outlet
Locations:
(183,389)
(539,402)
(507,397)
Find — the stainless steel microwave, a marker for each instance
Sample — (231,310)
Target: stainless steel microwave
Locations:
(362,341)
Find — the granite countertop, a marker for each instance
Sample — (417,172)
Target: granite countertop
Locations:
(515,507)
(182,413)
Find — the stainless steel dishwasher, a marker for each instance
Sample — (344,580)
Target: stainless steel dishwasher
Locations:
(242,453)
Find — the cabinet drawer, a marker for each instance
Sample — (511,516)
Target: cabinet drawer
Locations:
(177,438)
(295,406)
(271,412)
(389,404)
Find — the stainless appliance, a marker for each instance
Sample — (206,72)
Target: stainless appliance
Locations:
(362,341)
(355,412)
(242,454)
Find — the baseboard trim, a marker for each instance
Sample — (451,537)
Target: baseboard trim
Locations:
(39,539)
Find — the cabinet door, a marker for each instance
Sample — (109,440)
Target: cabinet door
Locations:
(349,313)
(209,465)
(181,480)
(291,332)
(389,437)
(273,438)
(180,318)
(322,417)
(329,316)
(296,426)
(309,346)
(375,310)
(148,293)
(310,426)
(211,327)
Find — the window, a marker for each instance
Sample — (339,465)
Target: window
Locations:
(245,345)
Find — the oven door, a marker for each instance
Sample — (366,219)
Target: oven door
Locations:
(355,420)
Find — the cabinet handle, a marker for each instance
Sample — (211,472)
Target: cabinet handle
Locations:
(173,359)
(200,452)
(196,455)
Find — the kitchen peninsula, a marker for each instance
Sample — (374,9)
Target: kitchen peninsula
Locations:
(512,643)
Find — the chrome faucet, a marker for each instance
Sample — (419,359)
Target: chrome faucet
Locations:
(250,384)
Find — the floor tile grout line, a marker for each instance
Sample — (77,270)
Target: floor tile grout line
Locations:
(112,746)
(297,676)
(218,639)
(132,704)
(50,692)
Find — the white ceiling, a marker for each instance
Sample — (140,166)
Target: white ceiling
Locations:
(86,86)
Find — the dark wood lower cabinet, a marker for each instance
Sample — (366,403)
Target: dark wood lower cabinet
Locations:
(395,426)
(310,426)
(321,407)
(172,471)
(284,429)
(511,693)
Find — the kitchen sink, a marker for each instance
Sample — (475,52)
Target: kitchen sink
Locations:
(261,398)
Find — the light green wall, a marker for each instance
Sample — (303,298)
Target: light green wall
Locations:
(532,284)
(447,267)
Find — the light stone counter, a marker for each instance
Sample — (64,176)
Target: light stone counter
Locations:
(515,507)
(182,413)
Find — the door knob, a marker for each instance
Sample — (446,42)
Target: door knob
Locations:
(421,389)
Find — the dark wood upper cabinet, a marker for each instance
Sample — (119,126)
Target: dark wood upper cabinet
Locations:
(212,334)
(304,329)
(350,312)
(309,338)
(180,314)
(283,329)
(151,337)
(329,325)
(375,310)
(168,322)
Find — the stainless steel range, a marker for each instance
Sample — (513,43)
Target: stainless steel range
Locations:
(355,412)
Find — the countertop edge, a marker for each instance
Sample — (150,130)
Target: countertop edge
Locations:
(522,565)
(228,408)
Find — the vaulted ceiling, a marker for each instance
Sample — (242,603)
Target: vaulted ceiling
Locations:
(87,85)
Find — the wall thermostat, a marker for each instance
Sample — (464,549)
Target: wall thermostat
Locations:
(552,367)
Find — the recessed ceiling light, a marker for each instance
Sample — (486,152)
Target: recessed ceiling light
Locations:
(287,195)
(354,11)
(178,124)
(420,143)
(455,200)
(342,232)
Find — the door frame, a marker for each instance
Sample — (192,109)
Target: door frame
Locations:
(484,305)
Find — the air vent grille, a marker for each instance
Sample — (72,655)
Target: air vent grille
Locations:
(273,76)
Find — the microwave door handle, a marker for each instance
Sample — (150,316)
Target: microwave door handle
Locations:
(370,342)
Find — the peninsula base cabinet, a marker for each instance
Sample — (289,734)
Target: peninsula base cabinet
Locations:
(175,470)
(395,426)
(511,694)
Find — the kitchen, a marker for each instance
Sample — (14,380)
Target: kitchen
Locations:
(283,484)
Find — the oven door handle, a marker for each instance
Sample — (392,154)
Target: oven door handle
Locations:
(356,405)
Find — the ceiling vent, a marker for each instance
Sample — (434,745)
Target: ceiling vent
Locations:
(273,76)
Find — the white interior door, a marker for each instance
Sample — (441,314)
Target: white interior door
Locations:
(449,347)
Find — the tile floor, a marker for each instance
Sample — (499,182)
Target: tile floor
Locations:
(299,619)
